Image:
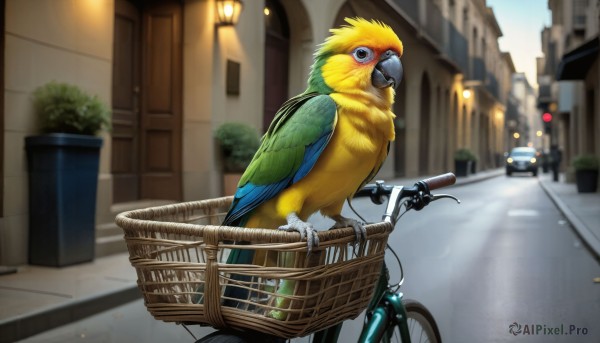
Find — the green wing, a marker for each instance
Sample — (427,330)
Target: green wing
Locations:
(289,150)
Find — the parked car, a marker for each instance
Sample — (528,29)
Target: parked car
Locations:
(522,159)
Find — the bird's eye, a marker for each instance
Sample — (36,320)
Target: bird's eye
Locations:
(362,54)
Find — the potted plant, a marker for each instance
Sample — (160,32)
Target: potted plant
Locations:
(462,161)
(586,172)
(63,166)
(474,160)
(238,143)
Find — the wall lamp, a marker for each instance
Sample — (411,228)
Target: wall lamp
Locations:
(228,12)
(466,93)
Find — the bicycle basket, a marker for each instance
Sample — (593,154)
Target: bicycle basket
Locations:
(180,252)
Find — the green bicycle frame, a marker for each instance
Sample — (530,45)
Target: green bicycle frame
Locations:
(389,310)
(384,309)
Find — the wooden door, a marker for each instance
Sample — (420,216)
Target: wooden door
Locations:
(2,14)
(424,125)
(126,102)
(276,61)
(147,100)
(161,100)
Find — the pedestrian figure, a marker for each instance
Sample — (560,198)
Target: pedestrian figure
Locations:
(556,158)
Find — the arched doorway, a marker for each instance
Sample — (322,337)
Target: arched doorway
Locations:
(462,139)
(400,128)
(453,129)
(472,135)
(424,126)
(437,141)
(346,11)
(445,124)
(484,146)
(277,55)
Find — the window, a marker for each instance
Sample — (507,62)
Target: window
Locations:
(579,14)
(451,11)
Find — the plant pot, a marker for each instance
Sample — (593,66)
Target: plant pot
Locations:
(587,181)
(63,178)
(462,167)
(473,167)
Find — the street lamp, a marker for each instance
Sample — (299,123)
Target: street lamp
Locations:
(228,12)
(466,93)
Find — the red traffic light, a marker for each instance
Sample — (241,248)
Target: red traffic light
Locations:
(547,117)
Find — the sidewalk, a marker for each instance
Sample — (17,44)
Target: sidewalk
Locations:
(36,299)
(582,210)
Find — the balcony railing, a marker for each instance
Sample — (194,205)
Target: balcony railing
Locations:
(457,47)
(545,94)
(434,21)
(545,91)
(410,8)
(512,109)
(478,71)
(447,40)
(440,32)
(492,85)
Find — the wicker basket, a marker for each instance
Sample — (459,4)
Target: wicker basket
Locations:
(180,253)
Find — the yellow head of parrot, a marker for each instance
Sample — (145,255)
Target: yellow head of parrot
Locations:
(363,56)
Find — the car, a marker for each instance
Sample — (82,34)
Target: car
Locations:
(522,159)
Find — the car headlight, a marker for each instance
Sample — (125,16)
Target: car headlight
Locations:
(509,160)
(533,160)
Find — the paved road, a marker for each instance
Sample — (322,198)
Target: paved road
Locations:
(504,257)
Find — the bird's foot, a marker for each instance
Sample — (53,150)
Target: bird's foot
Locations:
(359,230)
(305,229)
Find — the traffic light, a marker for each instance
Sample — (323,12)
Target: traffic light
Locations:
(547,119)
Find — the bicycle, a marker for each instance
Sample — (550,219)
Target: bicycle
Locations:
(176,260)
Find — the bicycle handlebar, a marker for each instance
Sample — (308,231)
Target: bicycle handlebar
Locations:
(420,194)
(440,181)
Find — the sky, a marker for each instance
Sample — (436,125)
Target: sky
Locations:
(521,22)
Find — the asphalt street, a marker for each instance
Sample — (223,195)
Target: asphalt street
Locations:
(505,255)
(503,266)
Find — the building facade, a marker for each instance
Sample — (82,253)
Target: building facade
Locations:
(569,78)
(171,76)
(530,129)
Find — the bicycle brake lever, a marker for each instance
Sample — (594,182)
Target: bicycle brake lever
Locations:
(444,196)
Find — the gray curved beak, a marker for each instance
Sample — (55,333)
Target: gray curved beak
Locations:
(388,71)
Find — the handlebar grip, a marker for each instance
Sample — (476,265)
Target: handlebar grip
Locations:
(440,181)
(366,191)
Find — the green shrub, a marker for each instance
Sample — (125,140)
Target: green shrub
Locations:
(586,162)
(65,108)
(238,143)
(464,154)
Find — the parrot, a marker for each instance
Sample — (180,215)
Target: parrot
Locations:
(326,143)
